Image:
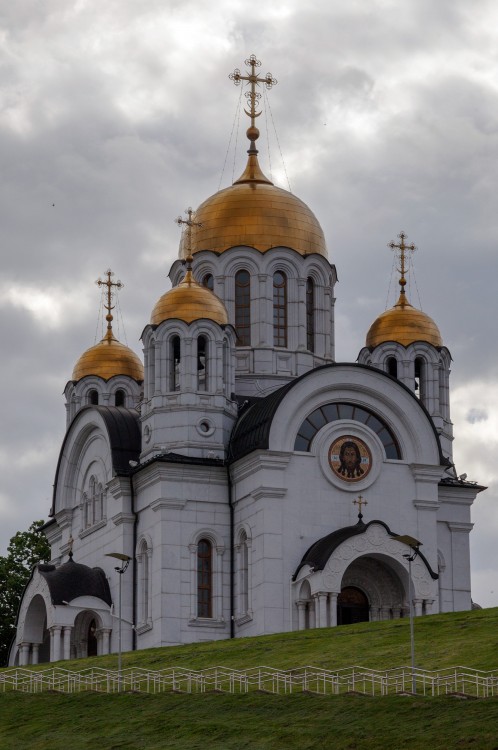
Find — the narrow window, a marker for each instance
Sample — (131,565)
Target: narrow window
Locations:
(243,307)
(244,574)
(420,378)
(208,281)
(310,315)
(119,398)
(144,583)
(93,397)
(279,309)
(174,364)
(204,578)
(392,367)
(202,363)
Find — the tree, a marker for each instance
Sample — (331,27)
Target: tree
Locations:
(26,548)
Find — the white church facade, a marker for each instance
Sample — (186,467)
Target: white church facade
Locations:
(249,482)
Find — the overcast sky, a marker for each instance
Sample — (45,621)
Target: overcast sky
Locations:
(117,115)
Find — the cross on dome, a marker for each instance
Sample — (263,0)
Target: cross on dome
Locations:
(188,223)
(253,96)
(109,306)
(403,248)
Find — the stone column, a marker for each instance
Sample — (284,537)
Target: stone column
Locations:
(55,642)
(333,608)
(66,630)
(418,607)
(106,641)
(24,654)
(301,615)
(385,612)
(34,653)
(322,609)
(428,606)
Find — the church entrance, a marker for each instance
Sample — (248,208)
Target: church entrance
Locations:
(352,606)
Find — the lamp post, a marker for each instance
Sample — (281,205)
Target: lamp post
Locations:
(125,561)
(414,545)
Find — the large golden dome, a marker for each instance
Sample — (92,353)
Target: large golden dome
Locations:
(189,301)
(255,213)
(109,358)
(403,324)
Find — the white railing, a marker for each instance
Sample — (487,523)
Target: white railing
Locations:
(454,680)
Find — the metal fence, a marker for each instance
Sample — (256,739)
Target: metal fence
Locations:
(451,681)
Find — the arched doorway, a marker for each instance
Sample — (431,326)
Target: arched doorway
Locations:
(92,639)
(352,606)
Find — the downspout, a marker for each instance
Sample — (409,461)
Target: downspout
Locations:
(232,571)
(134,592)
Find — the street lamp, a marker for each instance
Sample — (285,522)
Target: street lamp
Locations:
(414,545)
(125,561)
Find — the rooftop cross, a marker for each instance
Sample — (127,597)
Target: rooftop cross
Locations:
(253,96)
(109,306)
(402,256)
(189,223)
(360,502)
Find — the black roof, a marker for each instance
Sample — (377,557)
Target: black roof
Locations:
(72,579)
(252,430)
(123,429)
(319,552)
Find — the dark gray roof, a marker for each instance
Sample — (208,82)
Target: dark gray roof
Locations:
(252,429)
(72,579)
(125,439)
(319,552)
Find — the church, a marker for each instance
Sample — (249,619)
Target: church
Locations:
(239,481)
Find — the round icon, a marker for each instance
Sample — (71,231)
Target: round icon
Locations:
(350,458)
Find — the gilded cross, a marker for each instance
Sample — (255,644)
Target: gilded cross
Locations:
(189,223)
(360,502)
(109,284)
(253,79)
(402,247)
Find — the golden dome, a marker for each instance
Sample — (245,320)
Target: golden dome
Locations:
(256,213)
(189,301)
(403,324)
(108,358)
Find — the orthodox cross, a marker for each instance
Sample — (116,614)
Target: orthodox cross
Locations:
(109,284)
(360,502)
(189,223)
(253,96)
(402,256)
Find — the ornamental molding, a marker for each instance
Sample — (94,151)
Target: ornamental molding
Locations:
(168,503)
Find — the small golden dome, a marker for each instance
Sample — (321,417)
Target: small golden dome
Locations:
(256,213)
(403,324)
(189,301)
(109,358)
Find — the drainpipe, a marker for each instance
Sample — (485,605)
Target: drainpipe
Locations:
(134,584)
(232,534)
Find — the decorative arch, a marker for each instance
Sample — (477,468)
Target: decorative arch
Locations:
(206,577)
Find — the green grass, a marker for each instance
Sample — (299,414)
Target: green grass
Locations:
(270,722)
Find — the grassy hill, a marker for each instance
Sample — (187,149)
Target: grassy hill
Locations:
(269,722)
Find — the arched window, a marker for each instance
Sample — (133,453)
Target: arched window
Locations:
(204,578)
(93,397)
(420,384)
(310,314)
(279,309)
(243,307)
(174,364)
(93,503)
(392,366)
(119,398)
(202,363)
(208,281)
